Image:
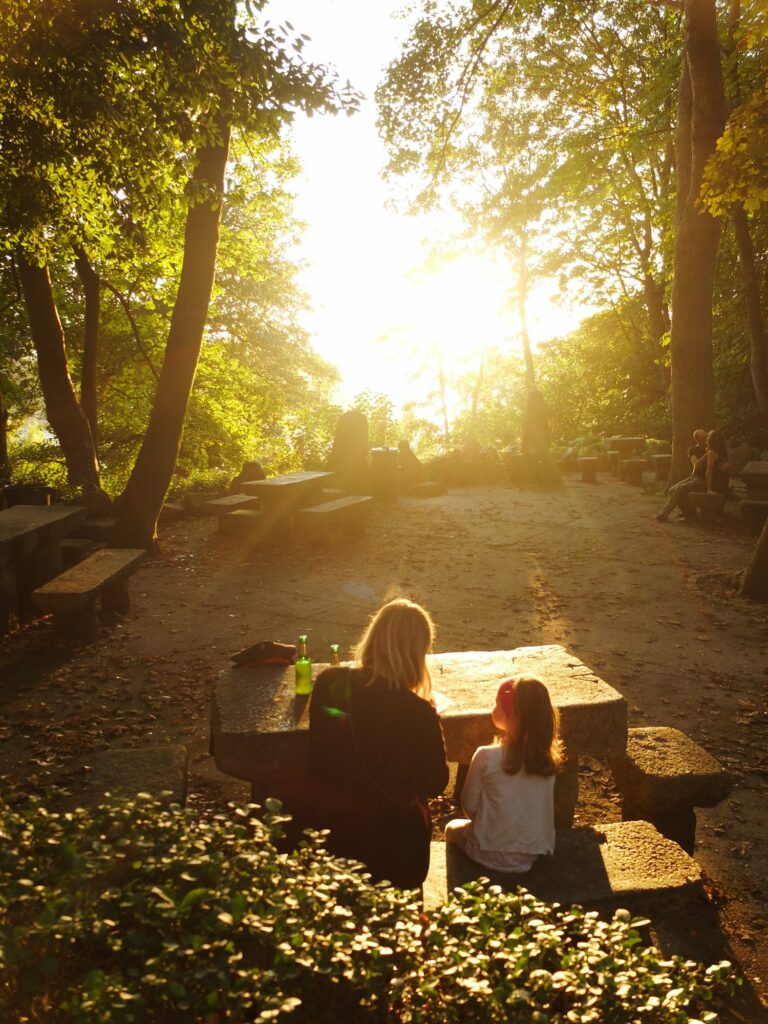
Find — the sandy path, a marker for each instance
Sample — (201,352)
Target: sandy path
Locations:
(642,603)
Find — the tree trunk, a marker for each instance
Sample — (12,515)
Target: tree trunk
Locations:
(145,492)
(701,117)
(754,583)
(5,466)
(61,406)
(522,299)
(88,394)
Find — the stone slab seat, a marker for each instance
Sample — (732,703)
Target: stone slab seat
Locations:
(160,771)
(349,514)
(588,465)
(230,503)
(708,506)
(624,864)
(662,776)
(632,471)
(753,508)
(71,597)
(77,549)
(247,524)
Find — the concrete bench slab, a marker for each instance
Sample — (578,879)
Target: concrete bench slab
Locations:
(76,549)
(71,597)
(754,509)
(195,501)
(632,471)
(663,775)
(588,466)
(708,506)
(661,465)
(230,503)
(159,771)
(98,528)
(755,476)
(624,864)
(348,514)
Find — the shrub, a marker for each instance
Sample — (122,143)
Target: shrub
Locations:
(131,913)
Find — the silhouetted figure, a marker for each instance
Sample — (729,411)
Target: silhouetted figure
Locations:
(349,455)
(411,469)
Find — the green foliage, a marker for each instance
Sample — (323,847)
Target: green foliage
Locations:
(383,430)
(129,913)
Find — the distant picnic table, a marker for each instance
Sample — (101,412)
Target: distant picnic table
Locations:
(29,550)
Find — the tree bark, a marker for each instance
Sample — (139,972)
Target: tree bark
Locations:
(88,394)
(701,118)
(754,583)
(61,406)
(5,465)
(522,300)
(142,500)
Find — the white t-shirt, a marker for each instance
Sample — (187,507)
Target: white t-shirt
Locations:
(513,816)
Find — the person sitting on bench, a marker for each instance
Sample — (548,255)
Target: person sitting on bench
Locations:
(509,793)
(376,750)
(699,446)
(710,475)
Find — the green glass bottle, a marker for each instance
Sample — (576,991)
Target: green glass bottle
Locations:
(303,669)
(335,654)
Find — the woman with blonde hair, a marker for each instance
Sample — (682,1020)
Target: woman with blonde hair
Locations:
(376,751)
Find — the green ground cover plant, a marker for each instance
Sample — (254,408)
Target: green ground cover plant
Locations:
(134,913)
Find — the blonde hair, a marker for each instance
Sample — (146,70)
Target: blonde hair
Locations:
(535,745)
(395,646)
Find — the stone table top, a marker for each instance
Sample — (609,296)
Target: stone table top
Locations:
(624,445)
(288,483)
(259,726)
(23,527)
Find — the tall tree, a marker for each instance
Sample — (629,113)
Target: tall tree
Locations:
(700,121)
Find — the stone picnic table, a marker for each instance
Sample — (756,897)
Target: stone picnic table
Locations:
(29,550)
(280,496)
(625,446)
(259,727)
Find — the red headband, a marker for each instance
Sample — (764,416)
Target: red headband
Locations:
(506,697)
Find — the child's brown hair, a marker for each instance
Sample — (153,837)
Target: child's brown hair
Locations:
(533,743)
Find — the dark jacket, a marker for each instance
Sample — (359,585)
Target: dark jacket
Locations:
(376,754)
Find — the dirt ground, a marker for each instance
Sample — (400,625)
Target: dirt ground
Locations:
(646,605)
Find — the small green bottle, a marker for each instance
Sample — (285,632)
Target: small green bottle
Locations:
(335,654)
(303,669)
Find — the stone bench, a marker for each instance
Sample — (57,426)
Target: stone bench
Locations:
(661,465)
(76,549)
(231,503)
(753,509)
(588,467)
(662,776)
(708,506)
(348,514)
(246,524)
(614,461)
(72,597)
(632,471)
(159,771)
(625,864)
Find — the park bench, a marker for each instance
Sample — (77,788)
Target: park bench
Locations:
(708,506)
(614,461)
(604,867)
(662,776)
(661,465)
(754,509)
(76,549)
(72,597)
(632,471)
(588,470)
(349,515)
(231,503)
(160,771)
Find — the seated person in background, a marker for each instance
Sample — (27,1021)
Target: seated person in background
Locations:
(699,446)
(376,751)
(509,793)
(710,475)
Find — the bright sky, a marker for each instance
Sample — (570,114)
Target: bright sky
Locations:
(364,262)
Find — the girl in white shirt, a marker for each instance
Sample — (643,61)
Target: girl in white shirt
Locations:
(508,796)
